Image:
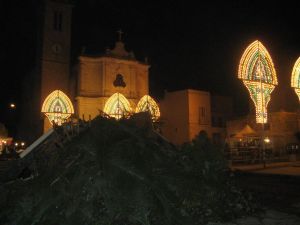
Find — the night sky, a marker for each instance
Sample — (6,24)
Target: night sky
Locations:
(188,46)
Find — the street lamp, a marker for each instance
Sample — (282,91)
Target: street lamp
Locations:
(12,105)
(267,140)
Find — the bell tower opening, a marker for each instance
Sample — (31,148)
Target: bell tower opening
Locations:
(57,20)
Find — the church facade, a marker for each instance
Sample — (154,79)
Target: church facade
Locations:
(100,77)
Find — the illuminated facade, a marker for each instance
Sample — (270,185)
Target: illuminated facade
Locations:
(257,71)
(147,104)
(295,80)
(57,107)
(117,106)
(101,76)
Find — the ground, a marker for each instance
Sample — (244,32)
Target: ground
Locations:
(270,217)
(277,185)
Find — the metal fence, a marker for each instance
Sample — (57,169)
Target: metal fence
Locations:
(244,155)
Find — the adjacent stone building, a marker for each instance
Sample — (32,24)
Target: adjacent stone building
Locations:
(187,112)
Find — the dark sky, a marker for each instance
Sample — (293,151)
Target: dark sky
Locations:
(189,45)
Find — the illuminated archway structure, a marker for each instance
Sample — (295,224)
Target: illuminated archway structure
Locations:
(295,81)
(117,106)
(57,107)
(257,71)
(147,104)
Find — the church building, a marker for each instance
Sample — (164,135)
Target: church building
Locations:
(114,83)
(105,79)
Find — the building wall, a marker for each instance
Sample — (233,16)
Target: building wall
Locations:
(199,116)
(284,126)
(55,76)
(89,107)
(283,123)
(96,82)
(184,114)
(222,111)
(174,116)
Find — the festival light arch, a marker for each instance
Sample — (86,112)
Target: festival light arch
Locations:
(295,80)
(257,71)
(147,104)
(117,106)
(57,107)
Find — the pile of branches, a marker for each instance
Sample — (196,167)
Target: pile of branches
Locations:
(118,173)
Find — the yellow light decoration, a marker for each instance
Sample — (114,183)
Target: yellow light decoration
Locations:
(295,81)
(257,71)
(57,107)
(147,104)
(117,106)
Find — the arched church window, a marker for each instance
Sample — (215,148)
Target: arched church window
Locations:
(57,107)
(147,104)
(117,106)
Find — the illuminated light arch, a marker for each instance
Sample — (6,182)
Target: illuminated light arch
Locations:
(117,106)
(295,80)
(147,104)
(257,71)
(57,107)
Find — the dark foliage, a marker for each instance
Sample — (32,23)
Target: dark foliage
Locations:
(116,173)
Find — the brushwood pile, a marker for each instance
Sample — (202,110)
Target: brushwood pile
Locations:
(124,173)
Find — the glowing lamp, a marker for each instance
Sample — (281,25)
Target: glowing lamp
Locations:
(147,104)
(117,106)
(258,74)
(295,80)
(57,107)
(267,140)
(12,105)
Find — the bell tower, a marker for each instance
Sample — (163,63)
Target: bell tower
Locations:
(54,50)
(56,43)
(52,66)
